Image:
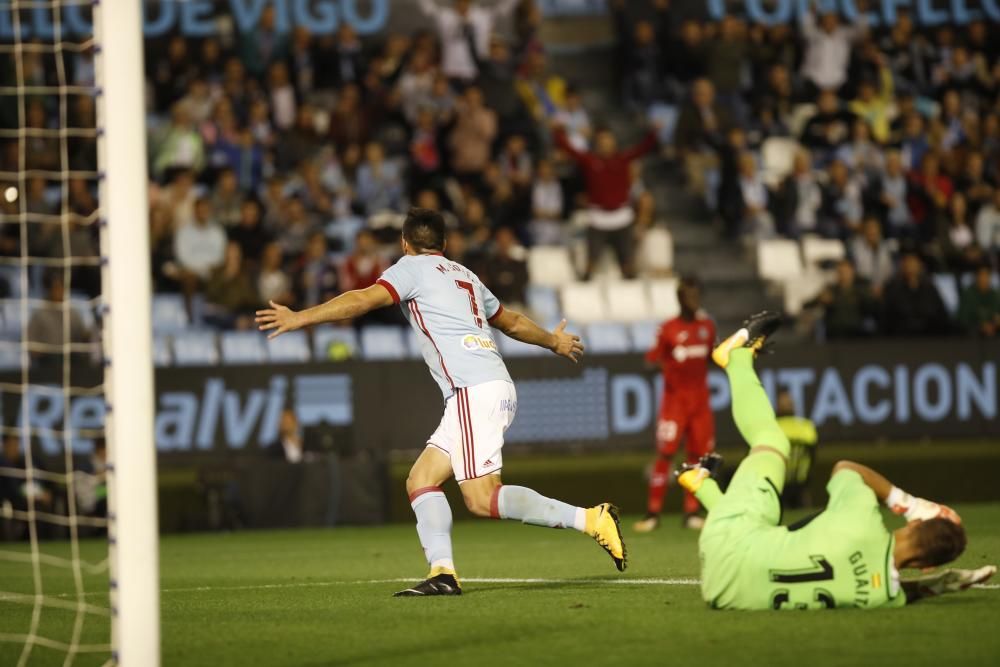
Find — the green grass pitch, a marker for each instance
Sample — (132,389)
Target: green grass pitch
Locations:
(322,597)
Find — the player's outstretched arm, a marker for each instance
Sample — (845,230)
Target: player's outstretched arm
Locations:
(899,501)
(521,327)
(951,580)
(281,319)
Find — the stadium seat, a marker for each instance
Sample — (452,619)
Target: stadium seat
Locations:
(584,302)
(802,289)
(663,298)
(628,301)
(543,301)
(11,275)
(644,335)
(10,355)
(778,260)
(161,351)
(195,348)
(550,265)
(87,310)
(948,289)
(292,347)
(346,339)
(413,350)
(777,156)
(11,319)
(656,252)
(515,348)
(243,347)
(606,268)
(383,343)
(821,254)
(607,338)
(169,313)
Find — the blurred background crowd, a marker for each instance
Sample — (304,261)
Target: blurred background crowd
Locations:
(281,163)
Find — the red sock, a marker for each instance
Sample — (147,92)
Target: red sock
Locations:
(691,504)
(658,484)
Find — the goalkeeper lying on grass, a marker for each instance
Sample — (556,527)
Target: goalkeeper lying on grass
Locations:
(842,557)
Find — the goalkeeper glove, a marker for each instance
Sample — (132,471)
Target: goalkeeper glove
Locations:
(918,509)
(951,580)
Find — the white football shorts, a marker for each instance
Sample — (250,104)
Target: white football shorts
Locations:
(472,429)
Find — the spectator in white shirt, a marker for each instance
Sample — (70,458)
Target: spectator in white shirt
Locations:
(453,22)
(546,206)
(892,196)
(273,282)
(416,83)
(872,258)
(283,104)
(988,227)
(380,181)
(200,246)
(828,48)
(800,198)
(575,121)
(757,221)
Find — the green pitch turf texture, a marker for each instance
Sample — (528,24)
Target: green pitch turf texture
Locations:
(323,597)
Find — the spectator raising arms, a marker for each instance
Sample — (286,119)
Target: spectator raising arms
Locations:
(607,175)
(454,23)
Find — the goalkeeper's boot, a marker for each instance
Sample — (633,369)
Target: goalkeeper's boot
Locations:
(439,582)
(647,525)
(604,527)
(691,475)
(754,333)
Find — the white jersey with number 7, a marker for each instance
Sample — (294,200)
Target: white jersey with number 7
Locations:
(451,310)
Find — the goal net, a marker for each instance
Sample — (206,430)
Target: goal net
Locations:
(78,548)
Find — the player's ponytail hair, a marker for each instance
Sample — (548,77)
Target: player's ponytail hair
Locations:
(940,541)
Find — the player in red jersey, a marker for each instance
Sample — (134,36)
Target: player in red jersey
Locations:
(682,351)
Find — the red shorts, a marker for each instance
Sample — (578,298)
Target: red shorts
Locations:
(692,422)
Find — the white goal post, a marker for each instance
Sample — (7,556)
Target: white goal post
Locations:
(133,544)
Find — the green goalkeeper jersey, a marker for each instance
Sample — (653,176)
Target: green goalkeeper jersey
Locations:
(842,558)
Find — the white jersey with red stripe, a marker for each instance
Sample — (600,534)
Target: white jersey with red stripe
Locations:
(451,310)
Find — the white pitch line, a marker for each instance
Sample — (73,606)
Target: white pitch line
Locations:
(471,580)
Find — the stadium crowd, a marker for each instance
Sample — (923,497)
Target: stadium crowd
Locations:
(886,139)
(280,162)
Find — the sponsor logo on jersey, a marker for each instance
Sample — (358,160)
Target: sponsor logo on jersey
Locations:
(702,333)
(682,336)
(684,352)
(508,405)
(474,342)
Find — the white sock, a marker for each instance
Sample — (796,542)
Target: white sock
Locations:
(433,526)
(530,507)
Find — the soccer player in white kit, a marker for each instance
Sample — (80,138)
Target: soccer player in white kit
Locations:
(454,315)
